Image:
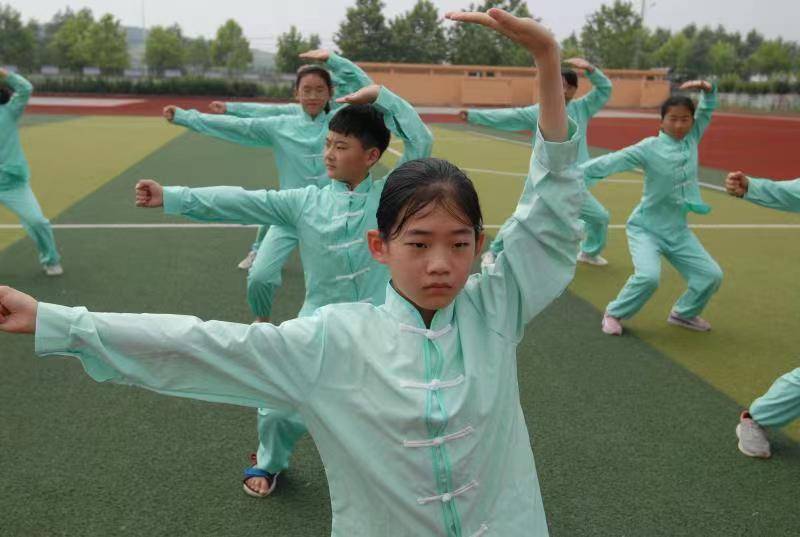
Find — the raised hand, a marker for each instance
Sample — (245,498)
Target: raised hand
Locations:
(580,63)
(702,85)
(737,184)
(3,73)
(317,55)
(149,194)
(217,107)
(17,311)
(169,112)
(365,95)
(542,45)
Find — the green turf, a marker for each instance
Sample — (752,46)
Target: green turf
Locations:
(628,440)
(29,120)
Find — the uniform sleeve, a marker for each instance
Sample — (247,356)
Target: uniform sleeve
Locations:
(236,205)
(782,195)
(623,160)
(541,241)
(262,110)
(506,119)
(596,99)
(347,77)
(404,122)
(22,94)
(256,132)
(257,365)
(705,109)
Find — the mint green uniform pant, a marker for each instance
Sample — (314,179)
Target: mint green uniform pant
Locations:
(278,431)
(595,219)
(684,251)
(781,404)
(264,277)
(21,201)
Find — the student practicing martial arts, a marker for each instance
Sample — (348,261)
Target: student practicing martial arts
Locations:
(593,214)
(781,404)
(658,225)
(296,134)
(329,222)
(15,188)
(414,405)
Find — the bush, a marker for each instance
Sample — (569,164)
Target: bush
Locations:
(734,84)
(161,86)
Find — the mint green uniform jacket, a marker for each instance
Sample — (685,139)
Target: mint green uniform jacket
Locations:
(14,169)
(331,222)
(782,195)
(421,430)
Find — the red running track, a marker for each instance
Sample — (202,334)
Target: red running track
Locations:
(764,146)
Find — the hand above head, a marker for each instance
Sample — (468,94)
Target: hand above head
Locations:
(216,107)
(702,85)
(17,311)
(522,30)
(365,95)
(580,63)
(317,55)
(169,112)
(3,73)
(737,184)
(149,194)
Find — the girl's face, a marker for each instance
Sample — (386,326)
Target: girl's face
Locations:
(313,94)
(430,259)
(677,122)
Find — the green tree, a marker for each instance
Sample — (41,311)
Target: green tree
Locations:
(17,41)
(471,44)
(164,49)
(675,53)
(614,37)
(571,47)
(108,44)
(417,36)
(363,34)
(722,58)
(198,53)
(772,57)
(230,48)
(70,46)
(290,45)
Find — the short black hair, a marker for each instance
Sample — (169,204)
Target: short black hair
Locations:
(364,122)
(570,77)
(675,101)
(5,94)
(422,183)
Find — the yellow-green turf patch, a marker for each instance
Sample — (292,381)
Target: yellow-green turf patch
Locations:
(72,159)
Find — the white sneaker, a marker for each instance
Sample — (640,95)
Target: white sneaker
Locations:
(247,262)
(487,259)
(698,324)
(611,325)
(53,270)
(596,260)
(753,440)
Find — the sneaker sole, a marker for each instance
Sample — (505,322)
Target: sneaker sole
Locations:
(749,453)
(593,263)
(688,326)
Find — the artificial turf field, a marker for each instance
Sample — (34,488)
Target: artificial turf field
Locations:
(633,436)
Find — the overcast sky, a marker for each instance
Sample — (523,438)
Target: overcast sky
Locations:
(264,20)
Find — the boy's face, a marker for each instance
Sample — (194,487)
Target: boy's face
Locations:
(346,159)
(569,91)
(313,94)
(677,122)
(430,259)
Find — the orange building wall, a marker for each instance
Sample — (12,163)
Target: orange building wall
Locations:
(469,85)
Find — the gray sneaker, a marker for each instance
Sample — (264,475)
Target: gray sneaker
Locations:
(698,324)
(753,440)
(53,270)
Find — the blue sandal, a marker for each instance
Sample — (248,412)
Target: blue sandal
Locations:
(272,479)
